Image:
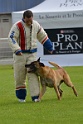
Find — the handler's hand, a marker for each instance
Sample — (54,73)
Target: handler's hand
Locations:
(50,52)
(19,54)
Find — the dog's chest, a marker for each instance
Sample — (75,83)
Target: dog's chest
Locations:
(48,82)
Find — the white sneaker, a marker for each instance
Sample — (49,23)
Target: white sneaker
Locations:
(36,100)
(22,100)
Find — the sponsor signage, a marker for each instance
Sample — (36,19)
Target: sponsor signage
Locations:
(66,41)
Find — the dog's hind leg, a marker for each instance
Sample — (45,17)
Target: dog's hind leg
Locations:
(57,92)
(60,91)
(74,90)
(68,82)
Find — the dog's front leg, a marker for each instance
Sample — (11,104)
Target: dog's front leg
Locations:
(57,91)
(42,92)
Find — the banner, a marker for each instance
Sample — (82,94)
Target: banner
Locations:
(63,22)
(66,41)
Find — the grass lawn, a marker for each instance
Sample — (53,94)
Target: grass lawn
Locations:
(49,111)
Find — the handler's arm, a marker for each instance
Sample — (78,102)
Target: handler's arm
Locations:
(13,39)
(44,40)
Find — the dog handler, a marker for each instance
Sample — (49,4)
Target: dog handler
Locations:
(22,39)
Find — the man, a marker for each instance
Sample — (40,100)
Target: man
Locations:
(22,39)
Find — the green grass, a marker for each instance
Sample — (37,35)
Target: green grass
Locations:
(49,111)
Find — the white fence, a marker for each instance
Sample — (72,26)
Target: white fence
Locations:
(5,52)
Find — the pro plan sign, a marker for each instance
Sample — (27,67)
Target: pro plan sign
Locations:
(66,41)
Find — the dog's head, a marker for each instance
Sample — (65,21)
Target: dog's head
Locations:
(34,66)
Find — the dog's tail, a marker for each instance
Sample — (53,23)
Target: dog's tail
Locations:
(55,65)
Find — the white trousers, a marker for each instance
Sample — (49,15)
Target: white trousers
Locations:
(20,73)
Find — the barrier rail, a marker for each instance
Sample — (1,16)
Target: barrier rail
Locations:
(5,50)
(3,38)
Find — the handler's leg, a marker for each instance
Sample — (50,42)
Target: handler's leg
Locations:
(33,79)
(20,77)
(33,86)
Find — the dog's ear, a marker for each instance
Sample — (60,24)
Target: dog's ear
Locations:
(38,59)
(41,64)
(26,66)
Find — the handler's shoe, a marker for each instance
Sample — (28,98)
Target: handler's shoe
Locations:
(36,100)
(22,100)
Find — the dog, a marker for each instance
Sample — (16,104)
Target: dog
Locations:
(50,77)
